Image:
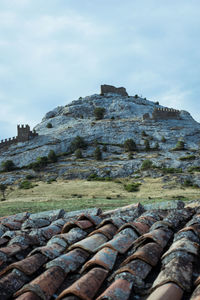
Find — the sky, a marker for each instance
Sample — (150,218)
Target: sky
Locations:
(53,52)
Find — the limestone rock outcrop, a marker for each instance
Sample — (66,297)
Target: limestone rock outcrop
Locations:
(126,117)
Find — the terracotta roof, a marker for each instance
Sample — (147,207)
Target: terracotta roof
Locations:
(128,253)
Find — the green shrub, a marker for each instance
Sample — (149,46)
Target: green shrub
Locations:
(171,170)
(156,147)
(179,146)
(189,157)
(146,164)
(52,157)
(130,145)
(112,118)
(78,153)
(130,155)
(98,154)
(132,187)
(8,165)
(49,125)
(104,148)
(25,185)
(39,164)
(78,143)
(99,113)
(94,177)
(194,169)
(163,139)
(29,177)
(147,145)
(3,188)
(144,133)
(156,103)
(189,183)
(136,96)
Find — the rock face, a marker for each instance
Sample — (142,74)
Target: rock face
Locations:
(123,119)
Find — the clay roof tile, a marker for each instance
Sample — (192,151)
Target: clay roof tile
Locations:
(87,286)
(105,258)
(45,285)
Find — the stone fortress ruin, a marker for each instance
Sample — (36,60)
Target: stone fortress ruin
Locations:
(23,134)
(105,89)
(165,114)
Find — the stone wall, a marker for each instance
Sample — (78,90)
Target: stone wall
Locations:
(165,114)
(23,134)
(112,89)
(8,142)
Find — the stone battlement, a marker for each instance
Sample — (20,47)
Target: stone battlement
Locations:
(23,134)
(105,88)
(165,114)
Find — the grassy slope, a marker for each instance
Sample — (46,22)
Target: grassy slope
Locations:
(80,194)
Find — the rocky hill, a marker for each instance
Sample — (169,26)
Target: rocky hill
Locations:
(125,117)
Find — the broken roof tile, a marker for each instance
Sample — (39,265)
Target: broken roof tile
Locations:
(87,286)
(105,258)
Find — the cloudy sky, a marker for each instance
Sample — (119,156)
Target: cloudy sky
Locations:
(54,51)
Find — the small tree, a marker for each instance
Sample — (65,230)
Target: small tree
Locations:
(78,143)
(130,145)
(98,154)
(180,145)
(52,157)
(3,188)
(104,148)
(144,133)
(99,113)
(163,139)
(130,155)
(78,153)
(156,147)
(40,163)
(147,145)
(146,164)
(8,165)
(49,125)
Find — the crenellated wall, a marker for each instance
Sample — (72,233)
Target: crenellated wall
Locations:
(165,114)
(23,134)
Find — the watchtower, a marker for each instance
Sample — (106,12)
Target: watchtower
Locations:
(23,133)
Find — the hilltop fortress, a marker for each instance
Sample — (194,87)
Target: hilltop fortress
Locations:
(107,95)
(23,134)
